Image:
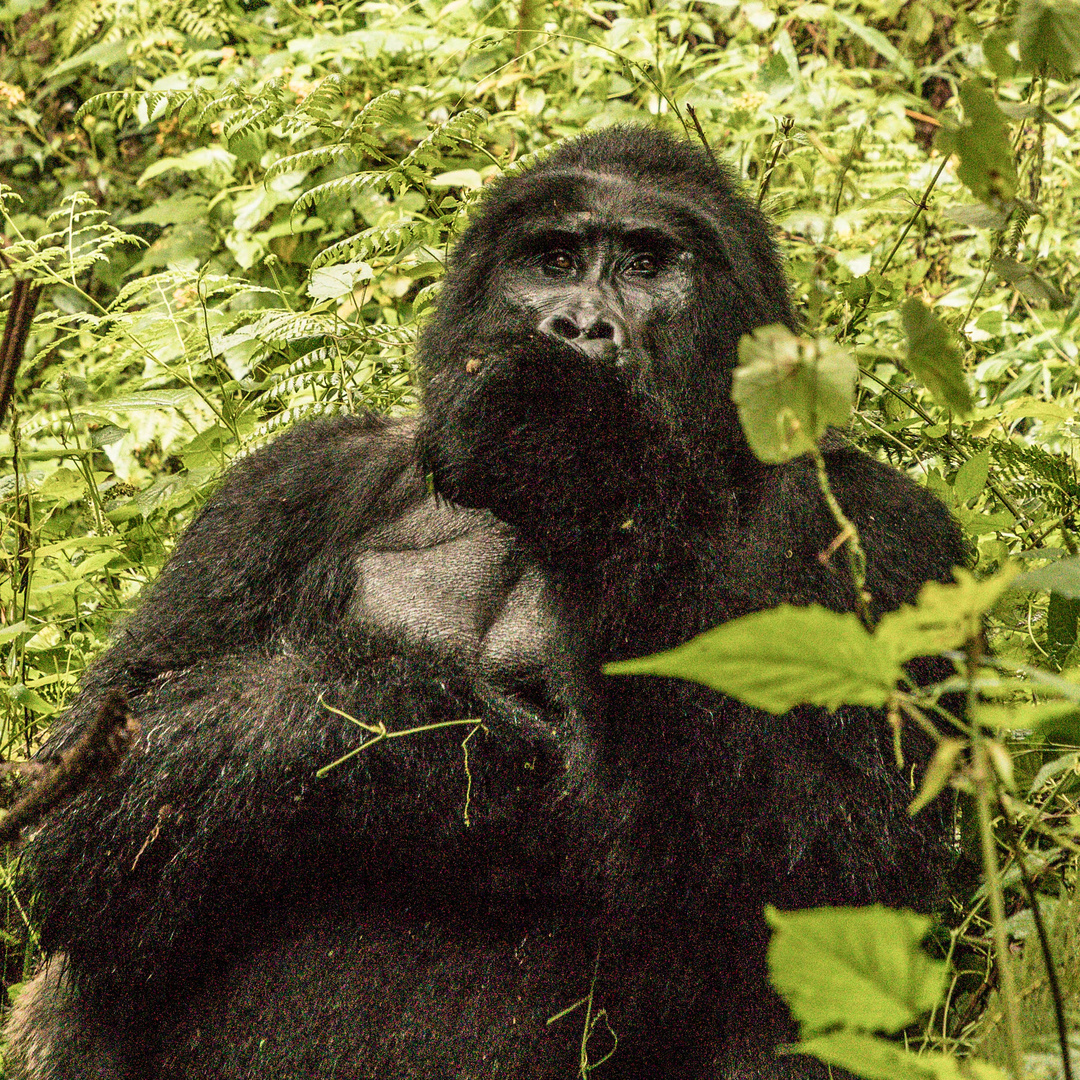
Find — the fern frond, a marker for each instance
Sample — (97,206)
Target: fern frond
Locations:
(447,136)
(309,160)
(77,235)
(352,184)
(82,21)
(380,239)
(261,432)
(281,327)
(379,110)
(1036,473)
(318,105)
(8,198)
(206,25)
(256,116)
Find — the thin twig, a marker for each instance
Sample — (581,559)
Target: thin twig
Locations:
(98,752)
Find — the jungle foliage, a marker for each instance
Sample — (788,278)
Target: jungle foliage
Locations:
(231,214)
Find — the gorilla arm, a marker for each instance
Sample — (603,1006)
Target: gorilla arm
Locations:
(277,608)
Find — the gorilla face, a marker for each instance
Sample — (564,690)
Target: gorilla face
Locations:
(598,281)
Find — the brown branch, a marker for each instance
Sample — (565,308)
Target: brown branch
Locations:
(24,302)
(95,756)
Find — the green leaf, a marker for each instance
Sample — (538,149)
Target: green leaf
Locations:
(971,477)
(333,282)
(459,178)
(935,358)
(1060,717)
(938,773)
(879,43)
(987,166)
(1061,577)
(1034,287)
(879,1059)
(781,658)
(216,161)
(853,967)
(148,399)
(996,50)
(1049,33)
(943,616)
(175,210)
(789,390)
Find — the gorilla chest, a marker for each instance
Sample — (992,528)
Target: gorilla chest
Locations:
(443,577)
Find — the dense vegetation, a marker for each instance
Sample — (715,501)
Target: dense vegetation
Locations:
(246,227)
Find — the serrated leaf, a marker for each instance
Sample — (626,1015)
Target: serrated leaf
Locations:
(789,389)
(944,616)
(934,357)
(781,658)
(987,166)
(1048,32)
(855,967)
(971,476)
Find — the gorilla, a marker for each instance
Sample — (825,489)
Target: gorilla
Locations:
(387,819)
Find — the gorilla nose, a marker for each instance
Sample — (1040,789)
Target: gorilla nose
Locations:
(593,335)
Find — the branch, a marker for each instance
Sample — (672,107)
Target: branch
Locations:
(94,757)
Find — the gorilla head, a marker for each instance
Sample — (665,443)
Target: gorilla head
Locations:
(592,309)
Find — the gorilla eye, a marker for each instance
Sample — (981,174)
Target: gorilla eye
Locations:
(558,262)
(643,265)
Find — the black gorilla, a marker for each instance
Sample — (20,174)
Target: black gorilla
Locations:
(575,490)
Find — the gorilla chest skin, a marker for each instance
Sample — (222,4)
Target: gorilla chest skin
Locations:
(451,579)
(506,833)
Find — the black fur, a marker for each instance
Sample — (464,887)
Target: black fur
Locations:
(217,910)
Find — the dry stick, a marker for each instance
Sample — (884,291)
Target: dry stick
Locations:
(96,755)
(1044,940)
(701,135)
(24,301)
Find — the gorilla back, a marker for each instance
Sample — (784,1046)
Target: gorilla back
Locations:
(545,869)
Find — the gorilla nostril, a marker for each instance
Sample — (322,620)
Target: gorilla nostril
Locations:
(602,330)
(559,326)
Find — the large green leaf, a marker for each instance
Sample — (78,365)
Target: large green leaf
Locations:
(781,658)
(935,358)
(859,968)
(789,389)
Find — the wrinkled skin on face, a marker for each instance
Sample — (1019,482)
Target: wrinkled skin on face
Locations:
(586,334)
(600,281)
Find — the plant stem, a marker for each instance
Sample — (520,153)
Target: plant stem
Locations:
(984,784)
(849,537)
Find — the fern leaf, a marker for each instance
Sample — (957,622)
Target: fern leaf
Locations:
(352,184)
(380,240)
